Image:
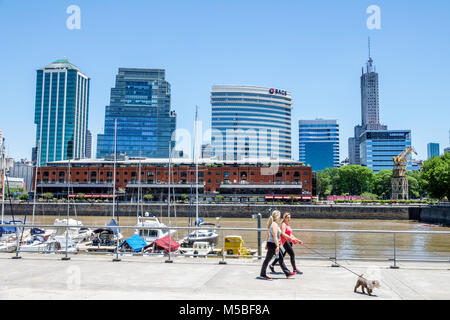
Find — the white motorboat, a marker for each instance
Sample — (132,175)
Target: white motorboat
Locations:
(199,248)
(150,235)
(206,235)
(76,233)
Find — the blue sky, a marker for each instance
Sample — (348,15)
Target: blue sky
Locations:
(315,49)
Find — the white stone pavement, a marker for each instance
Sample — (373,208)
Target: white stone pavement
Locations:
(38,276)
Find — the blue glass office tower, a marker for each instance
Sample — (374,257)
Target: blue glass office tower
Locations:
(140,101)
(378,147)
(319,143)
(250,122)
(433,150)
(61,112)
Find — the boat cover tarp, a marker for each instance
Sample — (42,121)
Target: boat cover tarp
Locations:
(8,229)
(113,223)
(135,242)
(164,243)
(37,231)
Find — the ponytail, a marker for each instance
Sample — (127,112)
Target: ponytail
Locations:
(275,214)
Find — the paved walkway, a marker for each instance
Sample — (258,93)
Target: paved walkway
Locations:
(97,277)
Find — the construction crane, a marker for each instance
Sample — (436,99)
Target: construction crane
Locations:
(399,179)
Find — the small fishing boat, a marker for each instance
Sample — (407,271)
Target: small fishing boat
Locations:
(199,248)
(133,244)
(150,235)
(206,235)
(41,242)
(103,239)
(163,245)
(76,234)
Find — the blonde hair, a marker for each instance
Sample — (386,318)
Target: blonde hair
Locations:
(286,214)
(275,215)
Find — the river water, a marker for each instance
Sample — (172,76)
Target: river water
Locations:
(348,245)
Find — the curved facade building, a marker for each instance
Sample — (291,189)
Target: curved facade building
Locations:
(250,122)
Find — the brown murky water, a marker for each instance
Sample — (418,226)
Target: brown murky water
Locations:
(348,245)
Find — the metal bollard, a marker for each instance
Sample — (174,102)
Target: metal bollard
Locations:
(223,250)
(17,244)
(395,255)
(335,265)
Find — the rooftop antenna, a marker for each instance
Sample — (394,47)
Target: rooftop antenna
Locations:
(369,48)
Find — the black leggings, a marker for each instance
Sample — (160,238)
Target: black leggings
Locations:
(271,250)
(287,248)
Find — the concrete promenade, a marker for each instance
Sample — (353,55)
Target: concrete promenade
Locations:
(38,276)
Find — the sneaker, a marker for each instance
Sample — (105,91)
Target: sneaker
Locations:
(272,269)
(290,274)
(265,278)
(298,272)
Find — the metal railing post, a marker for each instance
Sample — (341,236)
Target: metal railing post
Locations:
(335,265)
(66,257)
(116,259)
(17,244)
(223,250)
(170,247)
(395,254)
(259,238)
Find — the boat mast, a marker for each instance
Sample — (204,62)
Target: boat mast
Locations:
(168,183)
(196,166)
(3,179)
(138,195)
(114,179)
(38,156)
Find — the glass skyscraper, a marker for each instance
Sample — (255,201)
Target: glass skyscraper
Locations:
(140,101)
(433,150)
(378,147)
(319,143)
(61,112)
(250,122)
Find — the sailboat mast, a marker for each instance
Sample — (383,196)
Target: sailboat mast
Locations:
(115,158)
(38,156)
(3,179)
(196,165)
(68,197)
(168,183)
(138,195)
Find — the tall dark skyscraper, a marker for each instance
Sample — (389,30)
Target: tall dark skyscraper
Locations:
(370,110)
(140,102)
(61,112)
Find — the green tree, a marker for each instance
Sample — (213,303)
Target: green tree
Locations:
(382,184)
(148,197)
(436,172)
(354,179)
(47,196)
(416,185)
(23,197)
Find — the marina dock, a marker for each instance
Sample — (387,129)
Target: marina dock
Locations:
(97,277)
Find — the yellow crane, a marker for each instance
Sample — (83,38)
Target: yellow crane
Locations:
(399,179)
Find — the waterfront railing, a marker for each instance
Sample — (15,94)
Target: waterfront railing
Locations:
(333,245)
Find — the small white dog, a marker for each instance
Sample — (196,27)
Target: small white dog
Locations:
(366,284)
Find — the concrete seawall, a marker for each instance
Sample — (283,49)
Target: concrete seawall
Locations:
(436,214)
(381,212)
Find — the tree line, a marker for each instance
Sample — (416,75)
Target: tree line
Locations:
(432,182)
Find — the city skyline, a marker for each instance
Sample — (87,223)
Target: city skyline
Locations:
(299,71)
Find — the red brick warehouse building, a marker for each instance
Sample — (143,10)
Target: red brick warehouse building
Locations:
(234,179)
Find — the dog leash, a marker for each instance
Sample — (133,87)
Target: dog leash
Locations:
(340,265)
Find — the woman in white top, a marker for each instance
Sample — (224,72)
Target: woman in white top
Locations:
(273,245)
